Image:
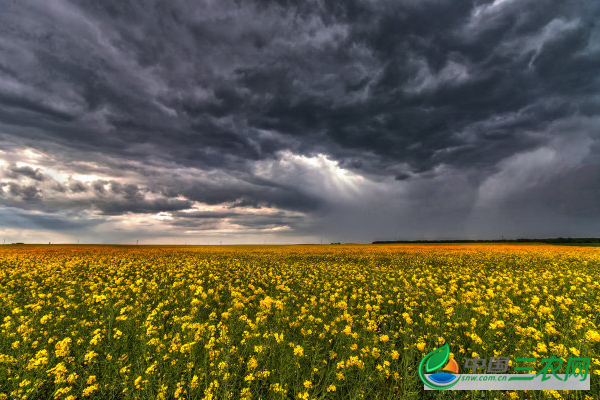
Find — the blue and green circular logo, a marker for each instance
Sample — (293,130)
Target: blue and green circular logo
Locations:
(432,362)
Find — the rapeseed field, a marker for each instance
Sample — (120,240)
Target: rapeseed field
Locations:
(285,322)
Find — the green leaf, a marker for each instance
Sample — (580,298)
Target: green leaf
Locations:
(437,358)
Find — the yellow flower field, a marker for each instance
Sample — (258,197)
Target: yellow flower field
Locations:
(283,322)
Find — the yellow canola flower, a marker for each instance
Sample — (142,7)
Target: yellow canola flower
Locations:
(197,321)
(592,336)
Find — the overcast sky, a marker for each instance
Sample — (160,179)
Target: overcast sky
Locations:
(286,121)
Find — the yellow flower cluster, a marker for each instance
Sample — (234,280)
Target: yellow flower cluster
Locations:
(302,322)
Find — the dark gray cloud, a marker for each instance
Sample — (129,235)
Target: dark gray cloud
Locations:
(16,172)
(24,192)
(327,117)
(11,217)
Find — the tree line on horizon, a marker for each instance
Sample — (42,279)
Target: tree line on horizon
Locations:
(520,240)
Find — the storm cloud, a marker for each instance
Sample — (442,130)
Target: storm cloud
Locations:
(246,121)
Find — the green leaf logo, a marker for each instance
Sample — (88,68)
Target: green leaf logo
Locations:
(437,358)
(432,362)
